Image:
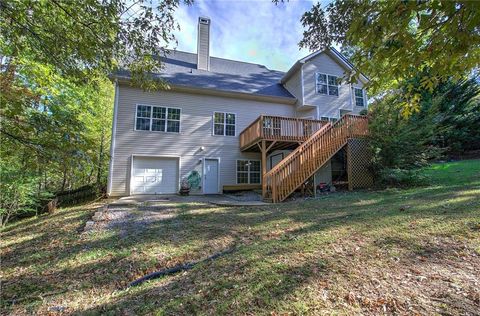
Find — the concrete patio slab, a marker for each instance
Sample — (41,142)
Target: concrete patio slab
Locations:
(216,199)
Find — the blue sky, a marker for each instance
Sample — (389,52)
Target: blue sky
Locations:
(255,31)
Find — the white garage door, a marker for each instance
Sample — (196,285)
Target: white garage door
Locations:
(152,175)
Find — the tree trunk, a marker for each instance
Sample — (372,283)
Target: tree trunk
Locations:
(100,156)
(64,181)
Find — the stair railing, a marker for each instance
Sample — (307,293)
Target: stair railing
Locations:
(311,155)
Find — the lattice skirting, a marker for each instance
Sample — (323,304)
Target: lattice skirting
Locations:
(359,158)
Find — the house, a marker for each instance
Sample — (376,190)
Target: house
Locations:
(226,125)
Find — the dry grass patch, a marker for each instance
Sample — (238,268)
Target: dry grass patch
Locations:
(393,251)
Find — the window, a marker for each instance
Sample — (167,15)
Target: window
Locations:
(223,124)
(272,126)
(330,119)
(248,171)
(359,99)
(158,119)
(327,84)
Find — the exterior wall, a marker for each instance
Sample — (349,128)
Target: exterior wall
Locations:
(327,105)
(294,86)
(309,112)
(276,153)
(358,109)
(196,131)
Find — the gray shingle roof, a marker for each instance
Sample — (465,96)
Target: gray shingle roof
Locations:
(180,68)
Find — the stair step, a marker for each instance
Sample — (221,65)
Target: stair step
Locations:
(268,200)
(289,174)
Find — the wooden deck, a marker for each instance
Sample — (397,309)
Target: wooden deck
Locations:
(313,143)
(286,132)
(305,160)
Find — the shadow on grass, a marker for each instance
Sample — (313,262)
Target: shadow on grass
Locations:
(277,255)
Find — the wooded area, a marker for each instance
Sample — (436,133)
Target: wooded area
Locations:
(413,250)
(55,135)
(56,96)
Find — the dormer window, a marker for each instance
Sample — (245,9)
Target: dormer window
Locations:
(327,84)
(359,98)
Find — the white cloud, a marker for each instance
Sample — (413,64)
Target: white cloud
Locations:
(254,31)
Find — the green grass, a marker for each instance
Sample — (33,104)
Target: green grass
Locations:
(368,252)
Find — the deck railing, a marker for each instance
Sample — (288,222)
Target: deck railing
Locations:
(306,159)
(278,128)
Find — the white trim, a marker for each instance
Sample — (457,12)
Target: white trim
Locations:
(329,118)
(112,143)
(348,65)
(333,53)
(365,97)
(224,123)
(340,60)
(303,85)
(132,156)
(248,172)
(203,174)
(355,98)
(328,85)
(351,96)
(151,118)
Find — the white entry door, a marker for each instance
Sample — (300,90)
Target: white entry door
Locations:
(210,177)
(154,175)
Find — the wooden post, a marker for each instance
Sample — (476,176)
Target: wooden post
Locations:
(263,148)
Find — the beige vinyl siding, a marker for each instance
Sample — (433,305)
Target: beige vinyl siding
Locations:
(328,105)
(203,48)
(358,109)
(309,112)
(294,86)
(195,132)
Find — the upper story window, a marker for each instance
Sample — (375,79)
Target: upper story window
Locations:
(157,118)
(359,97)
(224,124)
(327,84)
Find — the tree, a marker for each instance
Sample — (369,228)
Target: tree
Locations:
(78,39)
(54,132)
(454,110)
(17,191)
(391,41)
(446,124)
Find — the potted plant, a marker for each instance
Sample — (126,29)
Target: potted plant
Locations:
(184,187)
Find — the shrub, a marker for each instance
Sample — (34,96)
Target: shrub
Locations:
(402,177)
(17,193)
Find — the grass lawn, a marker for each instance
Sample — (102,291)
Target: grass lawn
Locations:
(396,251)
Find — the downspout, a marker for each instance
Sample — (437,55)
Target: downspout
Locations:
(112,143)
(351,96)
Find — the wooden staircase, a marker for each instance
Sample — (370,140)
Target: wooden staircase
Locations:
(289,174)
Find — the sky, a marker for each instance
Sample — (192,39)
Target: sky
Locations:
(256,31)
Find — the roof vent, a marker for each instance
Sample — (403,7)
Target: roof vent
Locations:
(203,44)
